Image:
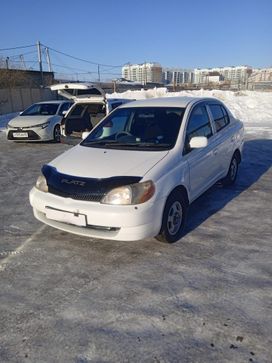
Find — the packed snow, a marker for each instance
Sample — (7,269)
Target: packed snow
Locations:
(253,108)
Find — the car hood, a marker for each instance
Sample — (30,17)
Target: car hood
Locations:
(105,163)
(26,121)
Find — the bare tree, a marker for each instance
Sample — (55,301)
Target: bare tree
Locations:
(10,78)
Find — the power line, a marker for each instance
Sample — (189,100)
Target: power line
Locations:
(82,60)
(24,46)
(18,55)
(72,68)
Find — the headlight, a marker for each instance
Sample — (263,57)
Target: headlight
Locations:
(130,194)
(43,126)
(9,126)
(41,184)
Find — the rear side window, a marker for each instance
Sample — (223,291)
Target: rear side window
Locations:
(220,116)
(64,107)
(115,105)
(198,125)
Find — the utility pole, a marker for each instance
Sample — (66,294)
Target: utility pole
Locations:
(7,62)
(98,72)
(48,60)
(22,61)
(40,60)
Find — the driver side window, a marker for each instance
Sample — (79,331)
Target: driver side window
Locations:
(198,125)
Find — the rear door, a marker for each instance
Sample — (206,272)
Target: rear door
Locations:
(224,137)
(88,110)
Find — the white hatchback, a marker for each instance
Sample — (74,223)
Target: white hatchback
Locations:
(39,122)
(136,173)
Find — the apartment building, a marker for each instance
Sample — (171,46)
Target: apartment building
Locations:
(143,73)
(176,76)
(261,75)
(232,74)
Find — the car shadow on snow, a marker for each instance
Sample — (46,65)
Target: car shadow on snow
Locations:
(256,161)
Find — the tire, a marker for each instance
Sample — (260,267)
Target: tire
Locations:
(232,172)
(174,218)
(57,134)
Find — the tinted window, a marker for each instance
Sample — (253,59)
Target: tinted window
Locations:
(91,91)
(220,116)
(64,107)
(115,105)
(198,125)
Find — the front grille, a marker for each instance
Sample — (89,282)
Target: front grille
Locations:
(90,196)
(31,135)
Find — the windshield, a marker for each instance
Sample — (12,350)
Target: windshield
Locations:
(43,109)
(143,128)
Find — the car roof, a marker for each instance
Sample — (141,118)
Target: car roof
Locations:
(167,102)
(58,102)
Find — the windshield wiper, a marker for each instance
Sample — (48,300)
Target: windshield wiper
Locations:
(137,144)
(98,142)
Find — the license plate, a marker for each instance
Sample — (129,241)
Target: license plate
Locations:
(20,134)
(66,217)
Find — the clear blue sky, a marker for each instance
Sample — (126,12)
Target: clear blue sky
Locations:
(174,33)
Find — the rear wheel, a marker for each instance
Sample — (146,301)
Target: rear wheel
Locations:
(232,173)
(57,134)
(174,218)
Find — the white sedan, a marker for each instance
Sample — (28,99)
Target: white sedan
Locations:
(136,173)
(39,122)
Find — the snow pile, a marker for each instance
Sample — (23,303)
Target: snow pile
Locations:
(253,108)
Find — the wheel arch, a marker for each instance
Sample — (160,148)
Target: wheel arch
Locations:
(180,188)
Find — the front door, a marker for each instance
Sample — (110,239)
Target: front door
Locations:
(202,162)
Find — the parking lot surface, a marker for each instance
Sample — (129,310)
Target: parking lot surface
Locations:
(206,298)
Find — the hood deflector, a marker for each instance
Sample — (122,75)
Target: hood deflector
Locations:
(88,189)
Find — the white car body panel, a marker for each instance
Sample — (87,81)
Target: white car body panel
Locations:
(136,163)
(195,171)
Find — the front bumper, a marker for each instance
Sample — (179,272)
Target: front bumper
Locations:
(125,223)
(30,134)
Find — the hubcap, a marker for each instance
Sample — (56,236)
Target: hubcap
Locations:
(174,219)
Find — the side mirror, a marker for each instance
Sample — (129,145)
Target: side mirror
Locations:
(198,142)
(85,134)
(64,113)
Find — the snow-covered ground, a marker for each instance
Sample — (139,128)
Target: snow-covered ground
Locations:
(4,119)
(253,108)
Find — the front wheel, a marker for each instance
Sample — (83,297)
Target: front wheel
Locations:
(174,218)
(57,134)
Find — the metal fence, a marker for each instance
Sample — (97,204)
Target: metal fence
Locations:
(17,99)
